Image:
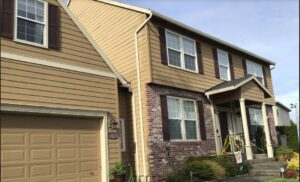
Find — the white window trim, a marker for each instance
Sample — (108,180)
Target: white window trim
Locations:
(251,62)
(45,38)
(123,135)
(182,123)
(182,52)
(228,67)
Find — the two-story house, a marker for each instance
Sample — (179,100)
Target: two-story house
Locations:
(59,96)
(190,90)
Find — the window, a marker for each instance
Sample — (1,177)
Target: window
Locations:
(255,116)
(224,67)
(256,70)
(31,25)
(181,51)
(182,119)
(122,135)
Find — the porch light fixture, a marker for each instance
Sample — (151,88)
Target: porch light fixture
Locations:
(113,124)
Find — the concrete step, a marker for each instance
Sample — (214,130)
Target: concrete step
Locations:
(274,165)
(260,156)
(255,172)
(264,160)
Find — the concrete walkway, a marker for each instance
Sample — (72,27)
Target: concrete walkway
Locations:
(249,179)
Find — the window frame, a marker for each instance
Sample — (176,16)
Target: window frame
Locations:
(181,51)
(122,135)
(255,74)
(46,25)
(228,67)
(183,119)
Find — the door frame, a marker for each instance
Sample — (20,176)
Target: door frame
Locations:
(103,119)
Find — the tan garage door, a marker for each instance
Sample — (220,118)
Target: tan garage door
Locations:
(49,148)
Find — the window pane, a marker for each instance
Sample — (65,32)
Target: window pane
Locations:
(174,58)
(189,62)
(174,108)
(30,31)
(224,72)
(250,67)
(190,129)
(22,8)
(173,41)
(258,71)
(189,109)
(188,46)
(175,129)
(255,116)
(223,58)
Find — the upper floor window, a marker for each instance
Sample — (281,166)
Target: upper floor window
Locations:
(256,70)
(182,119)
(224,67)
(31,23)
(181,51)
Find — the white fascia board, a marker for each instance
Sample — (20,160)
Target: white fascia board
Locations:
(93,43)
(49,63)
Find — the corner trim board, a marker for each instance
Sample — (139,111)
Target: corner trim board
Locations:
(55,65)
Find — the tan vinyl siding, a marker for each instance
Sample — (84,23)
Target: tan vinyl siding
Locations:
(113,31)
(32,84)
(251,91)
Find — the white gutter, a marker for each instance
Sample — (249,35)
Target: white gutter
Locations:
(139,91)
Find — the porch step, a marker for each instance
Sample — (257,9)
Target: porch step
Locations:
(275,173)
(267,167)
(262,160)
(260,156)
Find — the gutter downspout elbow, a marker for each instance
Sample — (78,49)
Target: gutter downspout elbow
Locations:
(139,91)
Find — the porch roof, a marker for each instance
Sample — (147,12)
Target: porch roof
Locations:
(234,84)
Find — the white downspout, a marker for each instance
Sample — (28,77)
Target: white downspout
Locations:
(139,91)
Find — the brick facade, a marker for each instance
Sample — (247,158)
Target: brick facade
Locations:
(164,155)
(272,127)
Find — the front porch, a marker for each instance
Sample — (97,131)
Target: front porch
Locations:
(240,117)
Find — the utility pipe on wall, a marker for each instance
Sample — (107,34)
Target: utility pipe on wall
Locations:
(139,91)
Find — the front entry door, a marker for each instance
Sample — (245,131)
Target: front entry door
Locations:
(223,125)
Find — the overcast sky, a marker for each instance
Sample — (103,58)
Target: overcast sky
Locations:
(269,28)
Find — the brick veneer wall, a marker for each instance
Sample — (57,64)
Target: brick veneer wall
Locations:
(165,155)
(272,127)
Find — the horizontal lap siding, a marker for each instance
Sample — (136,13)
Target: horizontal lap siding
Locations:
(41,85)
(113,30)
(252,91)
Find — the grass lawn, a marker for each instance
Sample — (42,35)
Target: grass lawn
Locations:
(282,180)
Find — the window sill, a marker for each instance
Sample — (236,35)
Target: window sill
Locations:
(31,43)
(176,67)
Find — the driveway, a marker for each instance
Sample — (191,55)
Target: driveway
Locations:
(249,179)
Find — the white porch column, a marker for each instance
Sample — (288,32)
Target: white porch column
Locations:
(249,154)
(274,109)
(267,130)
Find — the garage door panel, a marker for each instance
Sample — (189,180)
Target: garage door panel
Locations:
(31,152)
(88,139)
(41,170)
(12,156)
(13,172)
(12,139)
(38,155)
(66,139)
(41,139)
(66,154)
(66,168)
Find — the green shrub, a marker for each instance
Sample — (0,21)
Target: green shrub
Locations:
(218,170)
(283,153)
(292,135)
(229,164)
(119,168)
(176,176)
(201,170)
